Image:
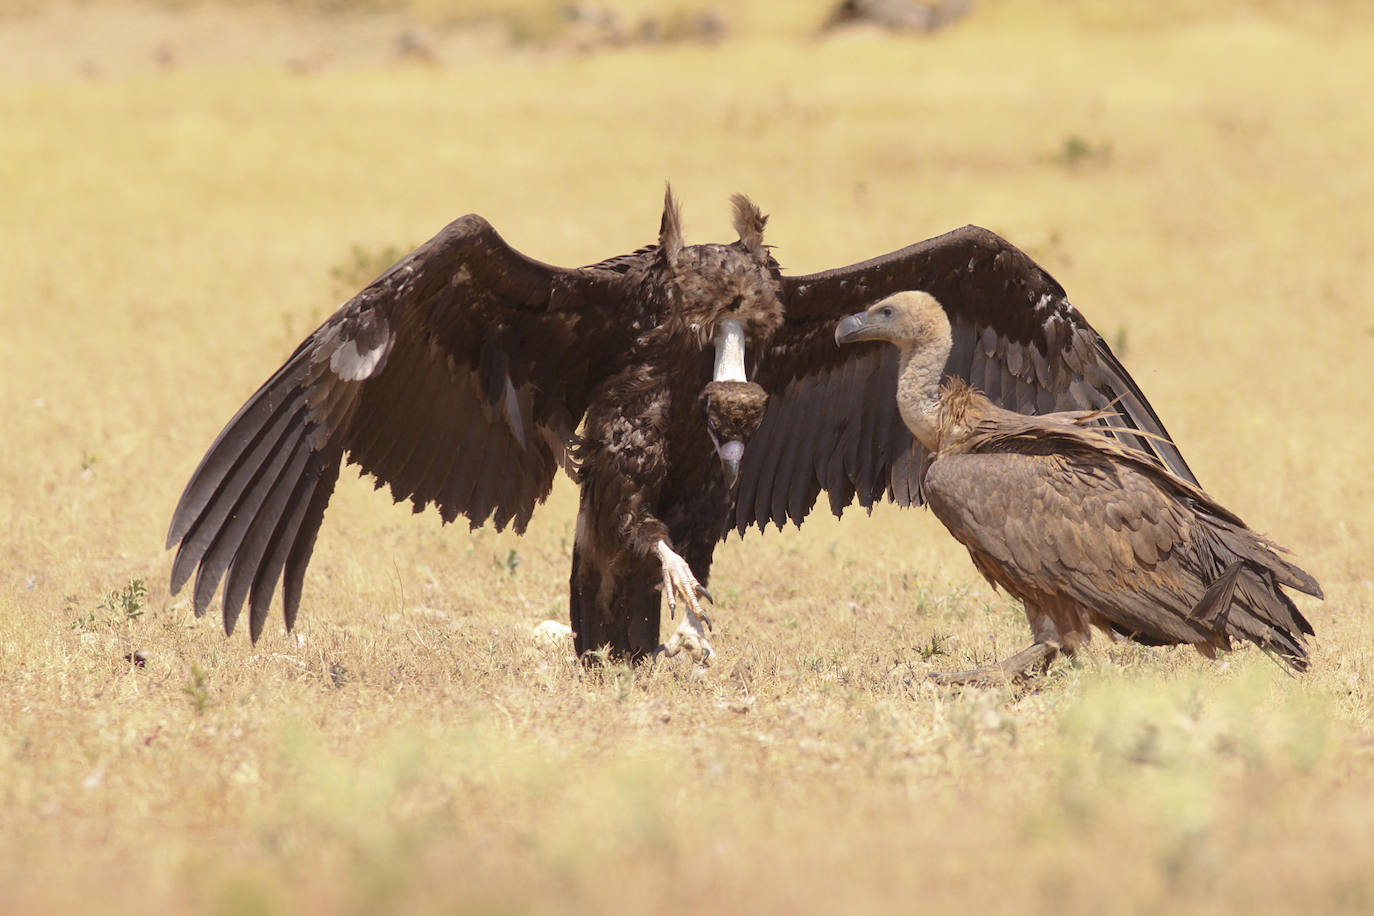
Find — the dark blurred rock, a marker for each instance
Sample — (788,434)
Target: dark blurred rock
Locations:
(899,15)
(415,47)
(164,57)
(590,27)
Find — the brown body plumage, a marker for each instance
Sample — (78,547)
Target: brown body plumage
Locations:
(468,373)
(1086,531)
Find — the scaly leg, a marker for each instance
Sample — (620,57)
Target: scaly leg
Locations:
(1034,659)
(679,582)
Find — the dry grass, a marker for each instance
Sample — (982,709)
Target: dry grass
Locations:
(1201,186)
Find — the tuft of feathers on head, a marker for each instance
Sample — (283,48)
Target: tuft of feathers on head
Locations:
(749,223)
(670,228)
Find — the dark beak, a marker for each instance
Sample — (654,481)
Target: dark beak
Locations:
(853,328)
(730,455)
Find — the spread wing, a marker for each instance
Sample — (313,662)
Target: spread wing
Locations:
(457,377)
(832,421)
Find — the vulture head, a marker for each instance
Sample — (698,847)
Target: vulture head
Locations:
(912,320)
(918,325)
(733,411)
(708,285)
(725,296)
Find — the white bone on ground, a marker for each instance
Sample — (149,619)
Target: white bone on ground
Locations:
(552,631)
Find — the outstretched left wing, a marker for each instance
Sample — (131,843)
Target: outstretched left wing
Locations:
(832,421)
(457,377)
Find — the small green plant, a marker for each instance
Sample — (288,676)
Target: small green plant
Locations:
(128,601)
(119,605)
(1119,343)
(1076,151)
(935,647)
(509,564)
(198,689)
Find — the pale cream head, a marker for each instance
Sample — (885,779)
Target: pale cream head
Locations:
(911,319)
(917,324)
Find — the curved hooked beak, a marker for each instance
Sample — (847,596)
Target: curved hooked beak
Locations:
(857,327)
(730,454)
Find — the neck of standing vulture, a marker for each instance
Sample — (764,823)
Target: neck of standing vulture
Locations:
(919,374)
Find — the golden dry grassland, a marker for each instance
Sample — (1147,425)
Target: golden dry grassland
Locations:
(180,185)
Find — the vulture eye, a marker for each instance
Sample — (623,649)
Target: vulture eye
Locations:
(886,312)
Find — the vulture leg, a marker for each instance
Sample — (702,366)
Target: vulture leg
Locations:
(1032,660)
(612,605)
(679,582)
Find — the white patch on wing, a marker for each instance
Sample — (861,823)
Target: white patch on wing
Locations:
(729,351)
(352,365)
(511,402)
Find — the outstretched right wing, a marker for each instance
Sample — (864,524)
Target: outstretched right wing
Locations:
(832,421)
(457,377)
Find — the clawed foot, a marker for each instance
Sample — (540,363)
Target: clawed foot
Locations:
(680,583)
(689,635)
(1032,660)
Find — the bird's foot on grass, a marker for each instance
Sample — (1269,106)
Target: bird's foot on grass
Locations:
(679,584)
(691,636)
(1031,660)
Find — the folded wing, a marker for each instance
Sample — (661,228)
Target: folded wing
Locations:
(1047,508)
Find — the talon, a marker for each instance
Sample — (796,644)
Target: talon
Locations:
(679,582)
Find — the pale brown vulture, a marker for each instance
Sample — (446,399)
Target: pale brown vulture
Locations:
(1084,529)
(467,373)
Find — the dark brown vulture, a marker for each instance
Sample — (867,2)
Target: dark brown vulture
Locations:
(467,373)
(1084,529)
